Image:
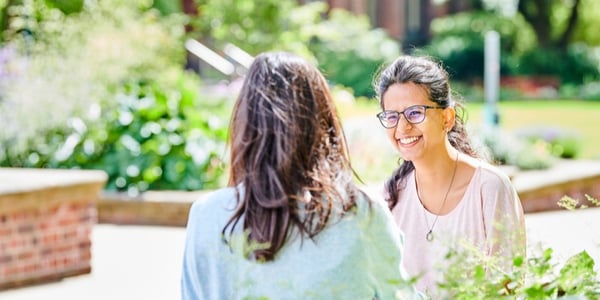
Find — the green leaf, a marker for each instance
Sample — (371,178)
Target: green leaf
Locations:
(577,273)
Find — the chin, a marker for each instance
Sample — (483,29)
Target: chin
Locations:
(408,155)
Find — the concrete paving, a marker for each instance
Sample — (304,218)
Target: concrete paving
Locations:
(567,232)
(143,262)
(128,262)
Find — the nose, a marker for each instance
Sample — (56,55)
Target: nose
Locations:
(402,119)
(402,125)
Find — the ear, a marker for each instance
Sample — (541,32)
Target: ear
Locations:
(449,115)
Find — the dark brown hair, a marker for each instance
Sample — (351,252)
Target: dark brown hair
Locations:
(432,77)
(289,159)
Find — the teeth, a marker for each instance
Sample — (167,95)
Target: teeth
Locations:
(408,140)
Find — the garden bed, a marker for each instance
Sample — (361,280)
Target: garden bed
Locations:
(532,86)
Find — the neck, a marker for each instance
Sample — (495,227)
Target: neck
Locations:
(434,200)
(438,169)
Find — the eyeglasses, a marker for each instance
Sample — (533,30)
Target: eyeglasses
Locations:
(413,114)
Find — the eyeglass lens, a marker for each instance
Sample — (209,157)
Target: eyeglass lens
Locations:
(414,115)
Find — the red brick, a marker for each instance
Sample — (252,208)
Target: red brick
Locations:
(25,255)
(5,231)
(24,228)
(12,271)
(85,244)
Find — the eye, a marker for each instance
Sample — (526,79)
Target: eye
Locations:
(414,113)
(391,117)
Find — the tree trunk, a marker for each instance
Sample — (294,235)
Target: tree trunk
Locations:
(568,33)
(538,13)
(457,6)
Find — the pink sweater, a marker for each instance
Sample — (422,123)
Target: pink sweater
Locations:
(489,199)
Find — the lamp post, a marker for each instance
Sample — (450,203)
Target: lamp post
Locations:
(491,78)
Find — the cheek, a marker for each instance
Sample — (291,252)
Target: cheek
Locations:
(436,133)
(391,135)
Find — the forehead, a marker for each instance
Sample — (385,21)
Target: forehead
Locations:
(400,95)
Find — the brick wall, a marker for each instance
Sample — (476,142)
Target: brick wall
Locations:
(540,190)
(545,198)
(46,218)
(163,208)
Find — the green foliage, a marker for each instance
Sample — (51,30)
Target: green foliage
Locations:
(589,20)
(68,64)
(509,149)
(349,52)
(344,45)
(471,274)
(167,7)
(253,26)
(586,91)
(105,89)
(560,142)
(66,6)
(576,65)
(458,41)
(157,138)
(570,203)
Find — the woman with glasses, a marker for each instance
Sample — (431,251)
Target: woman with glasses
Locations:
(443,192)
(291,224)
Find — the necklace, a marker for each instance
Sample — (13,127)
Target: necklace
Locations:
(429,235)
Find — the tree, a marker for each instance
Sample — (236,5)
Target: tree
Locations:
(542,16)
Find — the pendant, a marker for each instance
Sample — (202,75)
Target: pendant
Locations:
(429,236)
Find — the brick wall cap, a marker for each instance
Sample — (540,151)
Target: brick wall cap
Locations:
(18,180)
(564,171)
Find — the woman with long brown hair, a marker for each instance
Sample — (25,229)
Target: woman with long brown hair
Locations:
(291,224)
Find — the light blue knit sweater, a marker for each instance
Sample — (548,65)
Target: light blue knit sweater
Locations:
(357,257)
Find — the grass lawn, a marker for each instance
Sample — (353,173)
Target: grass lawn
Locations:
(374,159)
(582,117)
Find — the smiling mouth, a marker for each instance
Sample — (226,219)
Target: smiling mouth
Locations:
(409,140)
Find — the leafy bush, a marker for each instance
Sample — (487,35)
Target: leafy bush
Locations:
(67,6)
(106,89)
(157,138)
(251,25)
(561,142)
(534,277)
(473,275)
(458,41)
(68,65)
(508,149)
(349,52)
(577,65)
(586,91)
